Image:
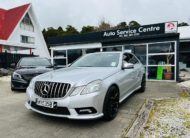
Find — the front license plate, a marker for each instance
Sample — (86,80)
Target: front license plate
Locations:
(43,103)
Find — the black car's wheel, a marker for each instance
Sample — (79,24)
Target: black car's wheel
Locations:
(111,103)
(143,84)
(12,88)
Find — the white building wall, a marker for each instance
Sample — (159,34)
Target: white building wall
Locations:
(41,47)
(184,32)
(17,39)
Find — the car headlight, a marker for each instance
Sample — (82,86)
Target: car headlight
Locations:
(77,90)
(92,87)
(16,75)
(32,83)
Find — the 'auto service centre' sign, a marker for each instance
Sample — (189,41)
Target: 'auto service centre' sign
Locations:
(162,28)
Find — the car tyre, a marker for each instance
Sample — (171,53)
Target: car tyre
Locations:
(143,84)
(12,88)
(111,103)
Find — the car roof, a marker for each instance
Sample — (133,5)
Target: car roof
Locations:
(35,57)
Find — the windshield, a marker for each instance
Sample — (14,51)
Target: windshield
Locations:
(34,62)
(98,60)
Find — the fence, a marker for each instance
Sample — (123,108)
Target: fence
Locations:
(6,59)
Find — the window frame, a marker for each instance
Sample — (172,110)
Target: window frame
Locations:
(27,39)
(26,23)
(133,56)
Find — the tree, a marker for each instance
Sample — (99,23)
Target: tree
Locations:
(87,29)
(103,26)
(60,31)
(51,32)
(44,31)
(44,34)
(183,24)
(121,25)
(134,24)
(70,30)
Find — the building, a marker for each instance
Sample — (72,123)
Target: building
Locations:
(160,47)
(184,51)
(20,32)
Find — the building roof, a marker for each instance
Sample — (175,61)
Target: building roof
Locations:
(115,35)
(9,19)
(96,38)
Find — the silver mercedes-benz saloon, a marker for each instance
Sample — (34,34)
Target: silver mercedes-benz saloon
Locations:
(92,87)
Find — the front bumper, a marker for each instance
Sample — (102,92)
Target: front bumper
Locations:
(19,84)
(72,103)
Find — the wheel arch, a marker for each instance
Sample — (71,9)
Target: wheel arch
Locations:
(114,84)
(104,103)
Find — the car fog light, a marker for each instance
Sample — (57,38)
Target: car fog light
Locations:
(87,110)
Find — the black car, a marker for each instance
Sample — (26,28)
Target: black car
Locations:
(26,69)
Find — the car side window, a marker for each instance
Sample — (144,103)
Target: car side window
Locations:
(129,58)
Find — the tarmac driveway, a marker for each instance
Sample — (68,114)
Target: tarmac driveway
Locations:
(18,122)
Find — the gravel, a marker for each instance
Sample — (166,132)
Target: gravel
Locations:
(169,118)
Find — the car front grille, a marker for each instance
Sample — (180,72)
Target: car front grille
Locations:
(51,89)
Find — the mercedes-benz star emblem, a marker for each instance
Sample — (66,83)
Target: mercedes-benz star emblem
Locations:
(45,89)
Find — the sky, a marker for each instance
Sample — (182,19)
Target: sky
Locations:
(78,13)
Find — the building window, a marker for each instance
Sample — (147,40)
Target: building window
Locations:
(26,24)
(93,50)
(59,53)
(138,50)
(27,39)
(60,58)
(64,57)
(161,61)
(115,48)
(74,54)
(59,62)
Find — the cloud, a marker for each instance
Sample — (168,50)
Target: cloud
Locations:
(89,12)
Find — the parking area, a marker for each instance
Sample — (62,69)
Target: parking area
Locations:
(17,121)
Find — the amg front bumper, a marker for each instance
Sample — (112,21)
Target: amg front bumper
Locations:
(88,106)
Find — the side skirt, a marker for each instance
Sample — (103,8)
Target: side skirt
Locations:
(128,94)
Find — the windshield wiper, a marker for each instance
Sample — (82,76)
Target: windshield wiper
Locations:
(28,67)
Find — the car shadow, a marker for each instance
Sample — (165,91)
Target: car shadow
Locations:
(66,121)
(19,91)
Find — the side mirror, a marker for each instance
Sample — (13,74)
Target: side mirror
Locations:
(128,66)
